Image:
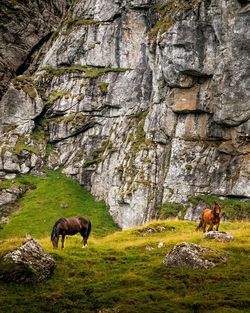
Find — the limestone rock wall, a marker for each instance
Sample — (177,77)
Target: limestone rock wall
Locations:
(142,102)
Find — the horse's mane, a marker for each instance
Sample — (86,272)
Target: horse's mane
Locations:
(61,220)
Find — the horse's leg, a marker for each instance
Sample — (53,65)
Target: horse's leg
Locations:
(204,226)
(210,227)
(217,227)
(84,240)
(63,237)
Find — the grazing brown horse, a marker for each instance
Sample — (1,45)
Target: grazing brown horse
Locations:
(210,217)
(70,226)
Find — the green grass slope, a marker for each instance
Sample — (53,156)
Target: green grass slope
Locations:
(55,196)
(117,273)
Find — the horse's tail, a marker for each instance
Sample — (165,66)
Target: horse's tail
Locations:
(88,230)
(200,225)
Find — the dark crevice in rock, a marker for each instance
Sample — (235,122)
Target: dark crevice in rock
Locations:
(196,74)
(84,128)
(115,17)
(30,57)
(244,2)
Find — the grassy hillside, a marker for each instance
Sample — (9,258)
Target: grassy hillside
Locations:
(55,196)
(117,273)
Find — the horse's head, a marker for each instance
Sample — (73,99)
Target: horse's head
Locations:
(54,236)
(217,208)
(55,242)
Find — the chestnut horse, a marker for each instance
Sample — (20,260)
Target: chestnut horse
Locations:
(210,217)
(70,226)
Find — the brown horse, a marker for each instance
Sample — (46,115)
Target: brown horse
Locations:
(70,226)
(210,217)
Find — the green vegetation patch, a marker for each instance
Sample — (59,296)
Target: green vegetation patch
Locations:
(138,140)
(117,273)
(232,208)
(97,155)
(167,13)
(26,182)
(54,96)
(26,84)
(80,22)
(170,210)
(24,144)
(103,87)
(89,72)
(75,119)
(11,245)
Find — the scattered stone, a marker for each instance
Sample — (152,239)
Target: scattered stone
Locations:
(219,236)
(64,206)
(149,248)
(4,220)
(152,230)
(190,255)
(11,194)
(160,245)
(27,264)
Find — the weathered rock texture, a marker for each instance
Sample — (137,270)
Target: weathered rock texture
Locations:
(10,195)
(190,255)
(219,236)
(24,26)
(142,102)
(28,264)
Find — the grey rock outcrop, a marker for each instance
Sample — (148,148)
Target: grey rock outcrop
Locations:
(219,236)
(190,255)
(27,264)
(142,102)
(11,194)
(24,27)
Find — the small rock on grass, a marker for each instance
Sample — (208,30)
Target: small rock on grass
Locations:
(190,255)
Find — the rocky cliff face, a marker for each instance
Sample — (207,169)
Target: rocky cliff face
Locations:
(143,102)
(24,26)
